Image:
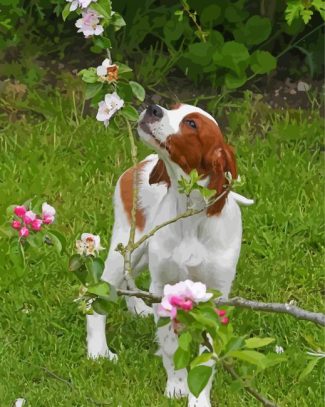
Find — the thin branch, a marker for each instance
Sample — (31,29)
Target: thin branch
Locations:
(186,214)
(129,248)
(299,313)
(229,368)
(266,402)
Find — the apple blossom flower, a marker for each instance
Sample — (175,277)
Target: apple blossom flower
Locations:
(88,245)
(16,224)
(29,217)
(79,3)
(89,23)
(20,210)
(108,107)
(107,71)
(183,295)
(48,213)
(37,224)
(24,232)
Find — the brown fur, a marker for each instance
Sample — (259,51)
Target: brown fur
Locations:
(204,149)
(126,190)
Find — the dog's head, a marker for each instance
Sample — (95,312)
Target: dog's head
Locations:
(190,138)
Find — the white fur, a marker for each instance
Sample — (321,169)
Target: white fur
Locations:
(199,248)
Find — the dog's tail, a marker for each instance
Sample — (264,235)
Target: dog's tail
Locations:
(241,200)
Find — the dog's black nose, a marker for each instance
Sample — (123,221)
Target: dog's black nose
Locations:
(155,111)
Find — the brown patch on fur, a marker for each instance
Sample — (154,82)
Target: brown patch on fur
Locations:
(203,148)
(126,191)
(159,174)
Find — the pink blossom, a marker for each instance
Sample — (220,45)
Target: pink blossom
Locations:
(89,23)
(29,217)
(24,232)
(180,302)
(15,224)
(20,211)
(220,312)
(224,320)
(183,295)
(48,213)
(37,224)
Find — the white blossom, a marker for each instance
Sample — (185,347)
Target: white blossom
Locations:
(108,107)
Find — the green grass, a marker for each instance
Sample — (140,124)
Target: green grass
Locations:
(74,166)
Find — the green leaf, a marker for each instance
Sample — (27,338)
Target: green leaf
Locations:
(102,289)
(122,68)
(130,113)
(234,343)
(250,356)
(117,21)
(162,322)
(181,358)
(206,317)
(89,75)
(234,82)
(75,262)
(103,7)
(61,238)
(184,341)
(253,343)
(309,368)
(233,55)
(102,42)
(203,358)
(257,29)
(66,11)
(95,267)
(101,306)
(198,378)
(138,90)
(55,241)
(262,62)
(92,89)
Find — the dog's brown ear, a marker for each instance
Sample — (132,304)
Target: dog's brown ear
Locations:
(159,174)
(220,161)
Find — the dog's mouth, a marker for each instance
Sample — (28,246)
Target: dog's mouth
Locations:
(145,127)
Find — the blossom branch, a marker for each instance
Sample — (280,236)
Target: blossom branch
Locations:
(129,248)
(266,402)
(230,369)
(299,313)
(186,214)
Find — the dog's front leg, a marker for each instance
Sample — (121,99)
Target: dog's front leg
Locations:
(96,337)
(176,379)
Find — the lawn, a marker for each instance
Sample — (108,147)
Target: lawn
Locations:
(73,163)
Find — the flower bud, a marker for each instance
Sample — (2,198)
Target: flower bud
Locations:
(20,211)
(24,232)
(16,224)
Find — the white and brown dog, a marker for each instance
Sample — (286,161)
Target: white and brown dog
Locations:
(204,247)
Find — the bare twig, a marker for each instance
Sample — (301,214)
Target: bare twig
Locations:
(266,402)
(299,313)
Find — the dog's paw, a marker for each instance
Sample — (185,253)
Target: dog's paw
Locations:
(176,388)
(103,352)
(202,401)
(139,307)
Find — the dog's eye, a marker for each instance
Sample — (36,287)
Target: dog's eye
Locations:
(191,123)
